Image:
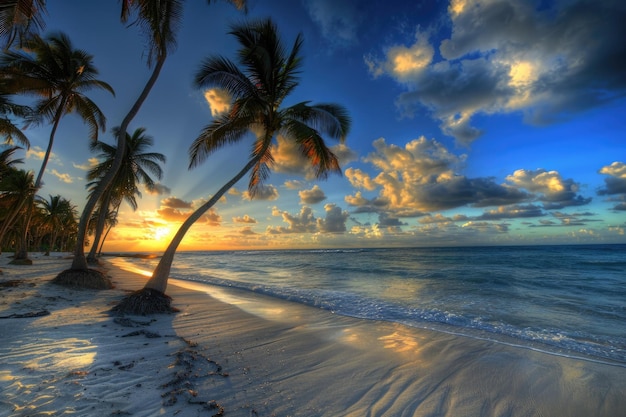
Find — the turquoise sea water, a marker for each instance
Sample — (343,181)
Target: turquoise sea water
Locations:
(567,300)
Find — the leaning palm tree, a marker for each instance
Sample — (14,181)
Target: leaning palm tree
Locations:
(58,74)
(137,168)
(269,76)
(159,20)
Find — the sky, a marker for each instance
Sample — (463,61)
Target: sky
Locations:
(474,122)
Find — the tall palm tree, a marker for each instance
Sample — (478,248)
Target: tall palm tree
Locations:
(59,74)
(159,20)
(269,76)
(137,168)
(20,19)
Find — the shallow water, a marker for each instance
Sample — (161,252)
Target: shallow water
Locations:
(568,300)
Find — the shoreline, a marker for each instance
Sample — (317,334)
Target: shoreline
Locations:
(257,356)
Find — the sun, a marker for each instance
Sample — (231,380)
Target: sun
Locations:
(161,232)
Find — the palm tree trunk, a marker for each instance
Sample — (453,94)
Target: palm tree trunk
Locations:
(23,252)
(80,261)
(104,207)
(44,163)
(108,230)
(161,273)
(53,241)
(9,221)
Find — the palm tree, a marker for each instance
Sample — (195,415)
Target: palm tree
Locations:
(7,161)
(7,176)
(159,19)
(269,76)
(55,213)
(20,19)
(137,169)
(59,74)
(16,187)
(110,221)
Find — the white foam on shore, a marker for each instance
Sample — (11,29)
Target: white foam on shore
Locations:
(281,358)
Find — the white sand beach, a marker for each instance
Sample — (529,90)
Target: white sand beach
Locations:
(240,354)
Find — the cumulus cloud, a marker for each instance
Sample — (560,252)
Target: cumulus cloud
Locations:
(365,205)
(64,177)
(174,209)
(36,152)
(171,214)
(288,158)
(175,202)
(421,177)
(303,222)
(509,55)
(293,184)
(553,191)
(263,192)
(244,219)
(211,217)
(388,221)
(337,20)
(91,162)
(615,184)
(219,101)
(313,196)
(335,220)
(247,231)
(404,63)
(360,179)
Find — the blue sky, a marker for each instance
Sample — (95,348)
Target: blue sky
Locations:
(478,122)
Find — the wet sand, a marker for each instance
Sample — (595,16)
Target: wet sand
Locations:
(243,354)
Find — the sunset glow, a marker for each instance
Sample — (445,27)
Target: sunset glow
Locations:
(466,130)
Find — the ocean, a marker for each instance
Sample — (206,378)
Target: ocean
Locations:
(563,300)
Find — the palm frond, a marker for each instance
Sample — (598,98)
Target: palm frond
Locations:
(223,73)
(90,114)
(221,132)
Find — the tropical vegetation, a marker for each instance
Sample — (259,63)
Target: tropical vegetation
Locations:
(268,76)
(137,168)
(58,75)
(159,20)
